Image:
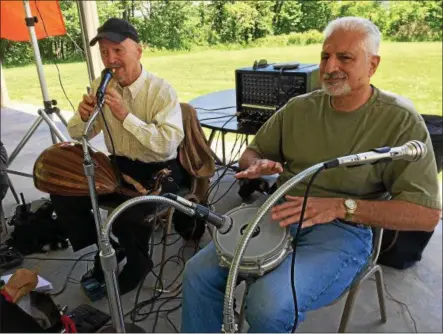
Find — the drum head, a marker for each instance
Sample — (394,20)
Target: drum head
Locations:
(267,241)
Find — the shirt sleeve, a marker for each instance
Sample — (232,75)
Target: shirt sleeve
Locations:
(164,132)
(414,182)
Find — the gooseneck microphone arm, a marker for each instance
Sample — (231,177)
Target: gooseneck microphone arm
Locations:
(411,151)
(107,253)
(229,325)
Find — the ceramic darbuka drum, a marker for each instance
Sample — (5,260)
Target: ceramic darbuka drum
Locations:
(267,248)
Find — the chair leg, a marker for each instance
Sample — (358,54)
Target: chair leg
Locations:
(166,228)
(381,293)
(348,307)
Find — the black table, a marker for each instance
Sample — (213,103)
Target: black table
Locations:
(217,112)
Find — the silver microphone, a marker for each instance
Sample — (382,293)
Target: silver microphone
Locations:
(223,223)
(411,151)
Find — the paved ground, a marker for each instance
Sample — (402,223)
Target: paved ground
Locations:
(420,287)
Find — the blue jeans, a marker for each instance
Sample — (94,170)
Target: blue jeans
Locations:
(328,258)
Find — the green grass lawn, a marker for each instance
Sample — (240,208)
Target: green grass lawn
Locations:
(410,69)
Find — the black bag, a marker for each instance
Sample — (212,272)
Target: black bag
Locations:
(13,319)
(35,227)
(4,183)
(402,249)
(434,124)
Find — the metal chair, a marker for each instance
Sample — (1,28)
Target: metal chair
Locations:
(370,269)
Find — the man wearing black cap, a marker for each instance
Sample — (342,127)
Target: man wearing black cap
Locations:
(144,118)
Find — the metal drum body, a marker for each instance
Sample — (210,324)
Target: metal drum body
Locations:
(267,248)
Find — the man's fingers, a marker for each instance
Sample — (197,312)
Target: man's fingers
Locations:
(246,174)
(288,221)
(88,99)
(87,107)
(308,223)
(279,207)
(286,212)
(112,92)
(294,198)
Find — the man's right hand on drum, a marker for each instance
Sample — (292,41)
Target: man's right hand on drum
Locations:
(260,167)
(86,106)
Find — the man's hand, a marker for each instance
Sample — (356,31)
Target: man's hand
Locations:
(86,106)
(259,168)
(318,211)
(114,101)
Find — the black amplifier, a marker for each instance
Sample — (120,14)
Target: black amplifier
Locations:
(262,90)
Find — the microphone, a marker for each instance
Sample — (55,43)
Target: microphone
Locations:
(411,151)
(106,78)
(223,223)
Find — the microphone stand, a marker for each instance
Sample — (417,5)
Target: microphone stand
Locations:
(44,114)
(229,325)
(110,260)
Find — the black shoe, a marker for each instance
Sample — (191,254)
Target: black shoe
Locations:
(97,272)
(129,279)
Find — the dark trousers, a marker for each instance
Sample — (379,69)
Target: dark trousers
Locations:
(75,212)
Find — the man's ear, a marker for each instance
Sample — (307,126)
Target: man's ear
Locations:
(139,51)
(374,62)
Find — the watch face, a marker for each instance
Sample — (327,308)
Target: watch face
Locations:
(351,204)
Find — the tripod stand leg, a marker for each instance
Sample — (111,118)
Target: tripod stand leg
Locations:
(14,193)
(24,140)
(53,127)
(60,116)
(53,136)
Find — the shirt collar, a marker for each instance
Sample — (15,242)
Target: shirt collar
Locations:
(137,85)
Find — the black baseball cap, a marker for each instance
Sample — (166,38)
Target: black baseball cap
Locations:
(115,30)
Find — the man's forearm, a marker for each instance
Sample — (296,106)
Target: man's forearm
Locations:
(395,215)
(248,158)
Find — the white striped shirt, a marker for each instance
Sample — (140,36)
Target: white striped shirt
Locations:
(153,129)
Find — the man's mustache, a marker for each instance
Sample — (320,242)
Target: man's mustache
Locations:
(334,75)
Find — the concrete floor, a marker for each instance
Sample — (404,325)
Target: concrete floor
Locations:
(420,287)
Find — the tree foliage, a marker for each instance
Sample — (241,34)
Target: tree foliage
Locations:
(181,25)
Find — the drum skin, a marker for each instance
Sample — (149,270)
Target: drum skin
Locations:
(59,170)
(267,248)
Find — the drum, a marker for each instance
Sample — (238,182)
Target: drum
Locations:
(267,248)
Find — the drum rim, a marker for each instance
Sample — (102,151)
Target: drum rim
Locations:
(250,265)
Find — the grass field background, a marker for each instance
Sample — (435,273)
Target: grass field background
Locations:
(413,70)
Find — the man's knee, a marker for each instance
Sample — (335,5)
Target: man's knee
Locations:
(271,315)
(203,266)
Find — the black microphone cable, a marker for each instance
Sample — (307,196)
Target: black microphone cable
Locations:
(294,245)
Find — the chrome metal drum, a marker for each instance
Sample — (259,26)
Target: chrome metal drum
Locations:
(267,248)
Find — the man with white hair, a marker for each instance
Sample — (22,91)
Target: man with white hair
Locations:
(143,130)
(348,116)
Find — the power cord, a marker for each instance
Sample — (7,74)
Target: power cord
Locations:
(215,109)
(68,276)
(295,242)
(209,118)
(400,303)
(55,62)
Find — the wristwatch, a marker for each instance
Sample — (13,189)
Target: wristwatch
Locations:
(350,206)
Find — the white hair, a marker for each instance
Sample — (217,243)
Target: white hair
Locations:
(358,24)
